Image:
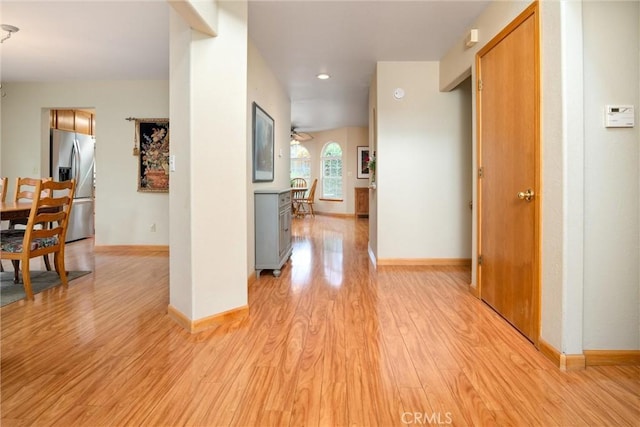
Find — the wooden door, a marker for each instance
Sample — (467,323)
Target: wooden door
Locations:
(508,120)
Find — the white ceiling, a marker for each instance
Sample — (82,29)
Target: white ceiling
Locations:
(85,40)
(114,40)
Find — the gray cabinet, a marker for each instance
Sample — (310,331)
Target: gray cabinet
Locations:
(273,229)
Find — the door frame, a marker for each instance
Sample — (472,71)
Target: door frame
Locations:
(530,11)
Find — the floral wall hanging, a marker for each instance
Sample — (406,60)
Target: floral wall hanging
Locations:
(153,136)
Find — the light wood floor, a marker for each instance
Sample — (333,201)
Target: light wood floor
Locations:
(331,342)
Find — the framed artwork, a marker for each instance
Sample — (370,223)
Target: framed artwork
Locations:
(363,162)
(263,145)
(153,162)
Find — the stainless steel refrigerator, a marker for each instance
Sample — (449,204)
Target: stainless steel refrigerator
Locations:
(73,157)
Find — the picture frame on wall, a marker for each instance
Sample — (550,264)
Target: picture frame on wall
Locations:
(363,162)
(153,160)
(263,145)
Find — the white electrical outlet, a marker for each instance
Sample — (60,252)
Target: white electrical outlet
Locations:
(152,227)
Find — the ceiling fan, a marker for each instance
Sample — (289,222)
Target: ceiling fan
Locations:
(298,137)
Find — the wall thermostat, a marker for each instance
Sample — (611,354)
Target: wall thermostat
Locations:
(619,116)
(398,93)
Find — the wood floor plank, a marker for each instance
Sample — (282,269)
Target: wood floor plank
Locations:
(415,404)
(333,400)
(280,395)
(333,405)
(333,341)
(186,400)
(359,399)
(252,406)
(308,392)
(473,408)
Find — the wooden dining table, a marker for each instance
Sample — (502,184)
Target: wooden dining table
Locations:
(16,210)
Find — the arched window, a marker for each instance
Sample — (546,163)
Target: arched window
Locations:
(332,171)
(300,162)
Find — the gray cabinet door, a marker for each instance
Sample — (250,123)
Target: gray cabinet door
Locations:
(272,229)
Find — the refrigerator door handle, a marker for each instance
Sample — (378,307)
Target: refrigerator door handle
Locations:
(76,158)
(72,155)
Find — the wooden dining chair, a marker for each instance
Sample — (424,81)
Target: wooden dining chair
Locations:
(3,194)
(3,190)
(298,183)
(25,188)
(24,191)
(305,205)
(51,204)
(298,191)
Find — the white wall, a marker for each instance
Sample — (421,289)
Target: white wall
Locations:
(123,215)
(209,84)
(575,222)
(459,63)
(423,165)
(180,277)
(612,218)
(268,93)
(373,147)
(349,139)
(456,64)
(554,98)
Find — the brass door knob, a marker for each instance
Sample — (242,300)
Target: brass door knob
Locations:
(526,195)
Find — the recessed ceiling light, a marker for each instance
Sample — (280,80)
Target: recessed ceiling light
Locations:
(323,76)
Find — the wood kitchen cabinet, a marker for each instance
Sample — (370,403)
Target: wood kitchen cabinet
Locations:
(362,201)
(79,121)
(65,120)
(84,122)
(272,229)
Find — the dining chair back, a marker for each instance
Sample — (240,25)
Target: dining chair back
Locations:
(25,188)
(298,183)
(306,205)
(51,204)
(3,190)
(24,191)
(3,196)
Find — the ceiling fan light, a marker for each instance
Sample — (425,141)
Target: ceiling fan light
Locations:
(10,29)
(299,136)
(323,76)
